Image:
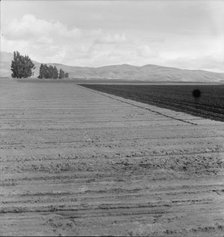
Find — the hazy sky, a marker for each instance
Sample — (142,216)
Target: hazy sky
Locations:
(186,34)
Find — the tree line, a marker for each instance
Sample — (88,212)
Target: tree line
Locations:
(22,67)
(51,72)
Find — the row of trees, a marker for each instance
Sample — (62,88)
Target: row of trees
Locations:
(51,72)
(22,67)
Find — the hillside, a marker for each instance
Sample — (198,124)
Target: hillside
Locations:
(124,72)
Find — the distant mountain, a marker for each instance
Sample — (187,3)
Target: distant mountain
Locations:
(123,72)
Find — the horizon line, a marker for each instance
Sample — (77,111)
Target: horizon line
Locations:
(124,64)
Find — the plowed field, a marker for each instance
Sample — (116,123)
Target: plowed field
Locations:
(79,162)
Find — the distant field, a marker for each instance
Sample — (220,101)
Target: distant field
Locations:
(176,97)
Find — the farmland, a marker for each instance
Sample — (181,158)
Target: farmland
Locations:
(76,161)
(176,97)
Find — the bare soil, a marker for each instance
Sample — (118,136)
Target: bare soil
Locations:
(79,162)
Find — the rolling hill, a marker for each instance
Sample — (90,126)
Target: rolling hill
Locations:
(123,72)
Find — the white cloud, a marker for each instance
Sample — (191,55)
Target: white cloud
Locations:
(52,41)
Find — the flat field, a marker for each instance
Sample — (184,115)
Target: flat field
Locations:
(177,97)
(75,161)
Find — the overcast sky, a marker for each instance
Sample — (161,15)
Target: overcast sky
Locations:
(186,34)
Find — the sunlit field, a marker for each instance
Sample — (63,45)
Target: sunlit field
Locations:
(76,161)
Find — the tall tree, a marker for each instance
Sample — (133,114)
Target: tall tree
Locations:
(55,73)
(46,71)
(61,74)
(41,72)
(51,71)
(21,66)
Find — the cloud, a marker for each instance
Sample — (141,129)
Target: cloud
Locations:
(52,41)
(31,28)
